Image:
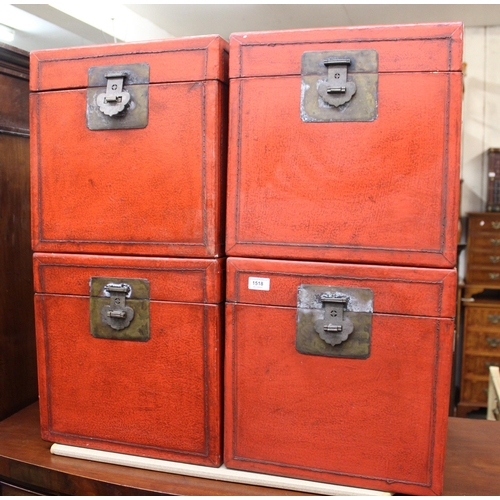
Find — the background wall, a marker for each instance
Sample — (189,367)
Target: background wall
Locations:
(480,117)
(481,112)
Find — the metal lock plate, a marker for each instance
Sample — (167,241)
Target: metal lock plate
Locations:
(339,86)
(334,321)
(117,97)
(119,308)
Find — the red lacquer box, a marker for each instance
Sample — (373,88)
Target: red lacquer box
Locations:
(344,144)
(153,388)
(369,410)
(128,148)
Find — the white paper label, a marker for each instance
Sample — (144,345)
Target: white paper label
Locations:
(259,284)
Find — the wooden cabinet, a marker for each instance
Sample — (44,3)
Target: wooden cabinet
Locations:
(483,249)
(481,349)
(481,310)
(18,385)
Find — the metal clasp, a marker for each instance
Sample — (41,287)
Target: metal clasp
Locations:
(334,328)
(115,99)
(336,90)
(334,321)
(337,74)
(119,308)
(109,105)
(117,314)
(339,86)
(492,341)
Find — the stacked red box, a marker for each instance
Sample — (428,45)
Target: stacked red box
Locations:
(343,183)
(128,184)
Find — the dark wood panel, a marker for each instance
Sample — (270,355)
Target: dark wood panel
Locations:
(11,490)
(14,90)
(14,103)
(18,385)
(472,465)
(25,460)
(14,61)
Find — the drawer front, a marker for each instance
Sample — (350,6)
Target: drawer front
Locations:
(479,365)
(485,258)
(486,341)
(482,317)
(483,275)
(484,223)
(474,391)
(485,241)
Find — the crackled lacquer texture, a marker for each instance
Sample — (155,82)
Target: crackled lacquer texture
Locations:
(377,423)
(159,398)
(157,190)
(381,191)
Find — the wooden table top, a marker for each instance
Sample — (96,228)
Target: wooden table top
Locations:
(472,465)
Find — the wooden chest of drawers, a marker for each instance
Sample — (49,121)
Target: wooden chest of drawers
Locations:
(483,249)
(481,312)
(481,349)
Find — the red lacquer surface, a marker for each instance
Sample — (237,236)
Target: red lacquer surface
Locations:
(158,190)
(384,191)
(375,423)
(160,398)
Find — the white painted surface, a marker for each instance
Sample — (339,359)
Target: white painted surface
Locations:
(481,112)
(221,473)
(493,393)
(480,116)
(473,128)
(183,19)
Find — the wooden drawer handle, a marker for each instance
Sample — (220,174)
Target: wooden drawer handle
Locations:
(494,318)
(495,224)
(495,242)
(494,276)
(495,259)
(492,342)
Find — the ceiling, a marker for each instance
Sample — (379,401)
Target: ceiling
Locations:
(43,26)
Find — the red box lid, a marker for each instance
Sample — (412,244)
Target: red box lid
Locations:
(396,290)
(412,47)
(170,60)
(173,280)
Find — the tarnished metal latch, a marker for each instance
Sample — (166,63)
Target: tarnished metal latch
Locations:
(339,86)
(115,99)
(334,328)
(117,314)
(334,321)
(336,90)
(118,97)
(119,308)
